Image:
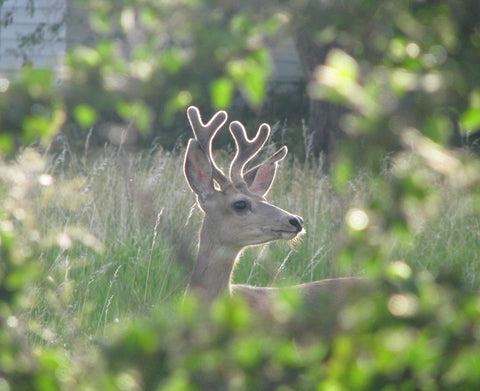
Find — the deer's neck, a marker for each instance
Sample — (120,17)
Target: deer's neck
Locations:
(214,265)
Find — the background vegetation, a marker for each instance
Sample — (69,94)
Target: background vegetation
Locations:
(96,245)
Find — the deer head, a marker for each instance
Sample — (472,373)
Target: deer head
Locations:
(236,211)
(238,215)
(235,208)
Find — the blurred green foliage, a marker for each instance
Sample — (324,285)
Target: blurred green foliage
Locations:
(413,334)
(152,59)
(31,109)
(408,64)
(408,73)
(20,244)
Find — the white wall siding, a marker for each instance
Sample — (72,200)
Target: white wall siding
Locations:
(27,17)
(287,65)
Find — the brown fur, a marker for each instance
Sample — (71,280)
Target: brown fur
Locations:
(226,230)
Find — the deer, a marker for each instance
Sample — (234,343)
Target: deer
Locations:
(237,215)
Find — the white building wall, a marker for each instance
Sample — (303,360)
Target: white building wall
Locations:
(31,18)
(286,62)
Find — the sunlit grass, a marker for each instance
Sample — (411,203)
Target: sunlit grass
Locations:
(140,209)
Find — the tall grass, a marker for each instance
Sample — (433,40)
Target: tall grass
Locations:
(138,207)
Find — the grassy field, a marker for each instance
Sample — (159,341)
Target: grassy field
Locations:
(127,227)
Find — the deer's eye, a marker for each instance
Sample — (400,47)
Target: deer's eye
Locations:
(240,205)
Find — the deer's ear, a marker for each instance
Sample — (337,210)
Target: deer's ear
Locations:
(261,178)
(198,170)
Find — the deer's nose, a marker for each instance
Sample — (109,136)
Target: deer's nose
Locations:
(297,222)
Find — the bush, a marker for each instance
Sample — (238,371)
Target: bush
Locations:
(412,334)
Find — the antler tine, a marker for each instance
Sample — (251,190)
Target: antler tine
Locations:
(204,134)
(246,149)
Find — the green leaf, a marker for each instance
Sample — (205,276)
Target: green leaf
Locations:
(172,60)
(251,74)
(470,120)
(221,91)
(85,115)
(438,128)
(7,143)
(254,86)
(87,55)
(343,172)
(43,126)
(344,64)
(136,111)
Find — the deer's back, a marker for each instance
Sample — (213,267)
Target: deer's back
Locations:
(324,293)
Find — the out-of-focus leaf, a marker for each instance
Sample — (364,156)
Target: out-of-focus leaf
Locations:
(438,128)
(85,115)
(343,171)
(7,143)
(251,74)
(345,65)
(43,126)
(172,59)
(137,112)
(470,120)
(221,92)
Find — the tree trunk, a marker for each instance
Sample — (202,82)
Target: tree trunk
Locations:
(323,117)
